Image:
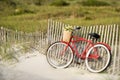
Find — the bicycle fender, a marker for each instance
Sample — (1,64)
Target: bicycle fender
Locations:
(109,48)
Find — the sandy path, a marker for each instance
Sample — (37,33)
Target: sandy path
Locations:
(37,68)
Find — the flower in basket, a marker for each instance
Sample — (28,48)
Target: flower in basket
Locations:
(68,28)
(67,33)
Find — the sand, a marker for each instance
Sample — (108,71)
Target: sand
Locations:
(35,67)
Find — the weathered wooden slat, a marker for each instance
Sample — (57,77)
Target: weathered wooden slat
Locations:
(119,52)
(115,49)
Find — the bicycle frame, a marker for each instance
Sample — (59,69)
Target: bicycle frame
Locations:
(89,44)
(97,55)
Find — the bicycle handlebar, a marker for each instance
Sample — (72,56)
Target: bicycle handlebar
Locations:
(77,28)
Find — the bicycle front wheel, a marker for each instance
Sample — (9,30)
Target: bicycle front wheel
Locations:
(59,55)
(100,64)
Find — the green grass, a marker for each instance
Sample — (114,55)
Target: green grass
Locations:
(27,23)
(100,21)
(30,18)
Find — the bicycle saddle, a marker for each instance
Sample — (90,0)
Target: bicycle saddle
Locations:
(94,35)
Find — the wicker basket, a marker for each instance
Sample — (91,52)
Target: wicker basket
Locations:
(66,35)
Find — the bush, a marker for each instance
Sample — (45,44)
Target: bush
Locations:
(94,3)
(59,3)
(88,18)
(20,11)
(117,9)
(38,3)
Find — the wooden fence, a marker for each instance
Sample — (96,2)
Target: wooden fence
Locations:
(40,41)
(109,34)
(12,41)
(7,35)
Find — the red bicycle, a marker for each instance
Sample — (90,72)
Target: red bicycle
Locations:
(97,55)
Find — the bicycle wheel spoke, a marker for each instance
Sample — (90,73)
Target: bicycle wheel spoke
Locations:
(59,55)
(101,63)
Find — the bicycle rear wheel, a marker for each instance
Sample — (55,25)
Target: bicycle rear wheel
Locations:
(59,55)
(100,64)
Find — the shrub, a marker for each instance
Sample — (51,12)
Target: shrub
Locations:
(20,11)
(38,3)
(59,3)
(88,18)
(94,3)
(117,9)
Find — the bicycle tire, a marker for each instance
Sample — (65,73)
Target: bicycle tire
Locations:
(55,58)
(98,65)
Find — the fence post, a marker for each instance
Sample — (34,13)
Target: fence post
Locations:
(49,32)
(119,51)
